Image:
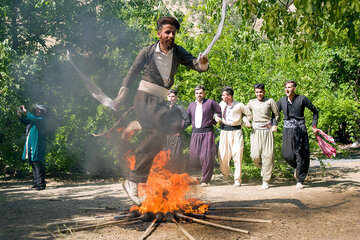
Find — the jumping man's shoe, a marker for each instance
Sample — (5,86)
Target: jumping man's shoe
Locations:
(204,184)
(265,186)
(131,189)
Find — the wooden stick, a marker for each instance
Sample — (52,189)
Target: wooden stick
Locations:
(70,222)
(187,234)
(212,224)
(237,219)
(86,220)
(238,208)
(103,209)
(92,226)
(150,228)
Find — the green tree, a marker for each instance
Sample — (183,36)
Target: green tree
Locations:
(301,22)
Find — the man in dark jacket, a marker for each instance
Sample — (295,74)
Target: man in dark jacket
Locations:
(177,162)
(158,64)
(295,143)
(35,143)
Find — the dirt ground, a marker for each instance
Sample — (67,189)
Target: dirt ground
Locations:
(327,208)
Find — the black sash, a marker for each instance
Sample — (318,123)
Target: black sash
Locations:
(229,128)
(202,130)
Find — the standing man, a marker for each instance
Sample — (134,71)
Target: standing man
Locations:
(265,118)
(35,143)
(231,143)
(173,142)
(295,141)
(203,113)
(158,64)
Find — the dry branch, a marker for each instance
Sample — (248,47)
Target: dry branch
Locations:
(103,209)
(92,226)
(211,224)
(85,220)
(237,219)
(238,208)
(187,234)
(148,230)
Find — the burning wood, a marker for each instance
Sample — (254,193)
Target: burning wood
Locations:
(134,214)
(165,191)
(169,216)
(164,197)
(147,216)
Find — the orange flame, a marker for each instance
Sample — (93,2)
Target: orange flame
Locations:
(130,160)
(166,192)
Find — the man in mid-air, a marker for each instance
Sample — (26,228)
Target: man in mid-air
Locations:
(158,64)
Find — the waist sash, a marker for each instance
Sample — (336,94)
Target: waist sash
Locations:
(293,123)
(153,89)
(225,127)
(261,125)
(202,130)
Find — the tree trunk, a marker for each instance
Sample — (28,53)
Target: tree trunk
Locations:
(14,26)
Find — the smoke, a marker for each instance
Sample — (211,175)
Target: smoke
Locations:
(102,50)
(106,61)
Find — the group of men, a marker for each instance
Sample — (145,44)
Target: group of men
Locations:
(263,115)
(163,122)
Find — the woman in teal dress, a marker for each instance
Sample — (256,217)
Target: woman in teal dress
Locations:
(35,143)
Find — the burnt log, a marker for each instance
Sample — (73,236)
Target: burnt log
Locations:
(147,217)
(159,217)
(169,216)
(134,214)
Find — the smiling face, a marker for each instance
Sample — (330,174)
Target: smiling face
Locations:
(290,90)
(259,93)
(199,95)
(167,37)
(227,98)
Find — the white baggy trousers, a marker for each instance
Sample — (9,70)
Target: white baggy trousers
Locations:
(231,145)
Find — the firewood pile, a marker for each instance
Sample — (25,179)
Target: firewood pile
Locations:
(176,217)
(164,201)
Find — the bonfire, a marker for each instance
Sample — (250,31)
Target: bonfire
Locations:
(164,200)
(165,191)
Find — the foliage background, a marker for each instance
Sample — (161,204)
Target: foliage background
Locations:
(317,45)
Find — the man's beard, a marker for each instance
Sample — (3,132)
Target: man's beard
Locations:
(168,44)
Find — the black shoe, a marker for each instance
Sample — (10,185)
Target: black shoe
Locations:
(34,186)
(40,188)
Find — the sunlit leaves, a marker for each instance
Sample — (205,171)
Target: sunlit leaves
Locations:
(322,21)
